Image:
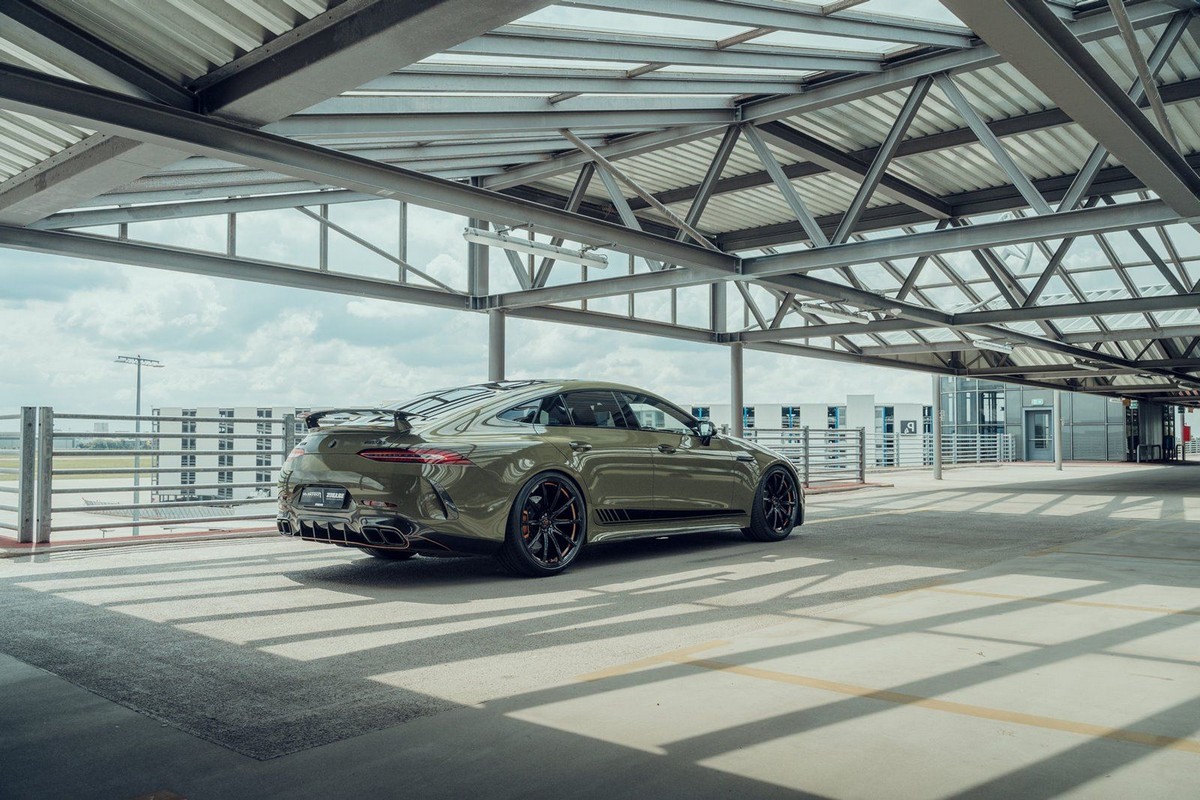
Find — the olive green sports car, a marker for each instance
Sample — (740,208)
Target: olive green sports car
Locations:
(528,471)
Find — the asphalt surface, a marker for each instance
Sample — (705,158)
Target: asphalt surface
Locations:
(279,668)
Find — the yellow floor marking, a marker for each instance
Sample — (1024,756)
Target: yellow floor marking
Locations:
(964,709)
(1085,603)
(673,656)
(1127,555)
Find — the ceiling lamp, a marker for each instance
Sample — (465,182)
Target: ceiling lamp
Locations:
(518,245)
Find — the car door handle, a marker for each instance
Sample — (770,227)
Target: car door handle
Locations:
(581,447)
(666,448)
(745,457)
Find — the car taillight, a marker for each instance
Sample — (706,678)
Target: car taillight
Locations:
(296,451)
(418,455)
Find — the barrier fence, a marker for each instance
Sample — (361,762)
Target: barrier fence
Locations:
(70,472)
(844,455)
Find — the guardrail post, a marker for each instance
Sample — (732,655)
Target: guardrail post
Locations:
(27,476)
(289,435)
(45,474)
(807,451)
(862,455)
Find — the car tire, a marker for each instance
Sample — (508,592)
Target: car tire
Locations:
(387,554)
(776,506)
(547,526)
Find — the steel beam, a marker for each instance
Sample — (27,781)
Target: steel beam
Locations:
(312,127)
(883,157)
(334,52)
(786,16)
(524,41)
(1048,54)
(1156,61)
(59,42)
(790,195)
(29,92)
(972,237)
(992,144)
(482,78)
(99,248)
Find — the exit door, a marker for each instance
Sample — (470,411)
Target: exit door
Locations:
(1039,436)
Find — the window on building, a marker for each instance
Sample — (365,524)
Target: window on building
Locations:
(225,461)
(225,427)
(991,411)
(747,417)
(189,425)
(789,417)
(264,427)
(225,492)
(836,417)
(262,477)
(701,412)
(262,444)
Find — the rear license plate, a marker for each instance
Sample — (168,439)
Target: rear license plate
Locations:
(323,497)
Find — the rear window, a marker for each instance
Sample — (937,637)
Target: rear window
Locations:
(443,401)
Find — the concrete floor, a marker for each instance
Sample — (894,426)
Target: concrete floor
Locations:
(1009,632)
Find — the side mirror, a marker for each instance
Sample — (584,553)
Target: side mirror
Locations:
(706,430)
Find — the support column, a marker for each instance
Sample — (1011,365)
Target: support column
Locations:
(323,243)
(735,388)
(402,251)
(495,344)
(45,475)
(1058,431)
(27,476)
(937,428)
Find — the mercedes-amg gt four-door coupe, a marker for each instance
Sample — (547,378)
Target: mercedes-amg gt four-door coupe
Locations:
(528,471)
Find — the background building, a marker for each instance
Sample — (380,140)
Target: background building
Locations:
(1095,428)
(248,456)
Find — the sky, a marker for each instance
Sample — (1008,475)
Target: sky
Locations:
(234,343)
(63,321)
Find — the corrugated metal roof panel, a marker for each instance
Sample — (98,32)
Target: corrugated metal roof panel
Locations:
(185,39)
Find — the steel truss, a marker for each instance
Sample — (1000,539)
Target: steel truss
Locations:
(589,156)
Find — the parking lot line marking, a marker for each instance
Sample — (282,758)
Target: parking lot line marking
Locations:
(947,706)
(1049,600)
(674,656)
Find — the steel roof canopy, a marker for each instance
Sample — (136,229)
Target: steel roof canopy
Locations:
(1020,171)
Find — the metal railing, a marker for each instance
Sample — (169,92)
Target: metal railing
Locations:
(844,455)
(148,479)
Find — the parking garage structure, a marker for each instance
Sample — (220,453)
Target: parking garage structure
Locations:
(997,191)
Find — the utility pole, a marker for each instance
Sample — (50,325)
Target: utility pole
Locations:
(140,361)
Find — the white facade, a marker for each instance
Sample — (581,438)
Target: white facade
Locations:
(213,458)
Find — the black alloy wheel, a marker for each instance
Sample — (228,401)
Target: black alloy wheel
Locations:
(546,527)
(775,506)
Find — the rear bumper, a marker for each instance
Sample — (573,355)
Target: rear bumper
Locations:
(385,533)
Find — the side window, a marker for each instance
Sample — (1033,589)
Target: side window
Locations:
(595,409)
(540,411)
(653,414)
(526,412)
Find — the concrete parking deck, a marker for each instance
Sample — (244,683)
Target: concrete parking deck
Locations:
(1009,632)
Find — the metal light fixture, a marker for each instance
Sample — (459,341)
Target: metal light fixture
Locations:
(992,344)
(1088,366)
(836,313)
(582,256)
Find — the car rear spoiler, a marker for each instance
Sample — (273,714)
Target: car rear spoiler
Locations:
(399,418)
